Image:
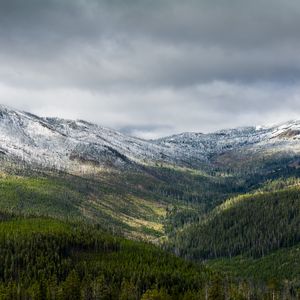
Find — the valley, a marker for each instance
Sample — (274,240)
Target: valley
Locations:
(217,213)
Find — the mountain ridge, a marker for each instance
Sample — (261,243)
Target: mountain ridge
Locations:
(260,127)
(66,144)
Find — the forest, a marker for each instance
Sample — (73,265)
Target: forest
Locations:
(156,235)
(48,259)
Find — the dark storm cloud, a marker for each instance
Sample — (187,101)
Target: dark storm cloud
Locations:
(152,67)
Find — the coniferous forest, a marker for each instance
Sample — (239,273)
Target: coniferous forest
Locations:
(243,245)
(48,259)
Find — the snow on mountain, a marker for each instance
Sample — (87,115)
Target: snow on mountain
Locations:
(64,144)
(205,145)
(284,137)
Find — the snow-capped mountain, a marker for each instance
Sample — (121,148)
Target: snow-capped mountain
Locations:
(66,144)
(62,143)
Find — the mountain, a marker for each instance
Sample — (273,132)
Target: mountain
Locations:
(228,199)
(53,142)
(67,144)
(62,168)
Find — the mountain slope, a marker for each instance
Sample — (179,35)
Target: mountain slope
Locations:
(75,169)
(252,224)
(49,259)
(282,265)
(68,145)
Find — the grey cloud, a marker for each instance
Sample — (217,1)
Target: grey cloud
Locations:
(165,42)
(152,67)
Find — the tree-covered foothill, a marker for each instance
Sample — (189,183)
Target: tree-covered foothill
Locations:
(253,237)
(253,224)
(48,259)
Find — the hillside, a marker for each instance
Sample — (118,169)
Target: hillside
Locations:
(134,203)
(76,145)
(48,259)
(253,237)
(229,198)
(252,224)
(280,266)
(129,185)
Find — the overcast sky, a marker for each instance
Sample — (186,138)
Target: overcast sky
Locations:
(153,67)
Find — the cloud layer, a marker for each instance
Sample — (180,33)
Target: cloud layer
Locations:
(152,68)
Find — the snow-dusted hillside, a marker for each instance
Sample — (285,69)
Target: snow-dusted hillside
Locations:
(284,137)
(66,144)
(63,143)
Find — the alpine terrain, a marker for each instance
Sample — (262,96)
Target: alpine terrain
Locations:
(88,212)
